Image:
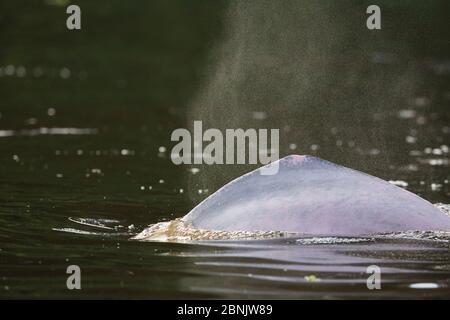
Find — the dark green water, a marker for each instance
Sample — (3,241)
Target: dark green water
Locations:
(118,88)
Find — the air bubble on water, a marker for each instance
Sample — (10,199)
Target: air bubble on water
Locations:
(292,146)
(16,158)
(150,187)
(64,73)
(407,114)
(96,171)
(437,151)
(161,181)
(436,162)
(436,186)
(314,147)
(162,151)
(194,170)
(181,190)
(59,175)
(142,187)
(51,112)
(79,152)
(21,71)
(125,152)
(9,70)
(411,139)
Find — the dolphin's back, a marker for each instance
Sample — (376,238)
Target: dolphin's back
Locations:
(309,195)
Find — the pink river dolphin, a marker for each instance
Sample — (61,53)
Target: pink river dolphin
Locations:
(312,196)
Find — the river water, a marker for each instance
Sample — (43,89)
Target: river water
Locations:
(85,124)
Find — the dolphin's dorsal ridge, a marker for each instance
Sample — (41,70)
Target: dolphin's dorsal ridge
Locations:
(309,195)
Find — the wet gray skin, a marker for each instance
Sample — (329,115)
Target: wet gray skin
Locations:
(312,196)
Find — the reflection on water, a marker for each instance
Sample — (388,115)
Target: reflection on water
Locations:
(85,125)
(327,267)
(47,131)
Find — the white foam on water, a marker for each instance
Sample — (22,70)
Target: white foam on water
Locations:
(332,240)
(180,231)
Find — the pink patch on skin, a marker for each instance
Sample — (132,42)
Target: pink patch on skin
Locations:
(297,157)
